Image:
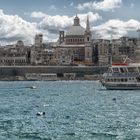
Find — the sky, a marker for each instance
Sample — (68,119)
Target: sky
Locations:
(23,19)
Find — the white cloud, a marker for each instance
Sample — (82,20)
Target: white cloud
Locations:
(115,27)
(57,22)
(104,5)
(13,28)
(50,25)
(92,18)
(38,14)
(54,23)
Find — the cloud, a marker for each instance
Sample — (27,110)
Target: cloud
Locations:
(38,15)
(13,28)
(55,23)
(104,5)
(115,27)
(92,18)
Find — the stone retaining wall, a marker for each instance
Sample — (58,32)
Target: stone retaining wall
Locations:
(60,70)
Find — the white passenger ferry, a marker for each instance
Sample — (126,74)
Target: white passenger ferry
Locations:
(122,77)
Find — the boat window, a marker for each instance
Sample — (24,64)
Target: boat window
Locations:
(139,69)
(123,70)
(118,80)
(122,80)
(131,78)
(132,69)
(138,79)
(115,70)
(125,79)
(115,79)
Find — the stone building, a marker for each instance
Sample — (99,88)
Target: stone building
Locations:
(121,49)
(102,55)
(18,55)
(77,40)
(48,55)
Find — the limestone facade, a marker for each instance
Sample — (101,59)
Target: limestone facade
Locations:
(77,40)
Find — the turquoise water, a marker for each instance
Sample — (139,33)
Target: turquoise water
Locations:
(75,110)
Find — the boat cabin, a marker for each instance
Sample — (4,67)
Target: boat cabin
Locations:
(124,70)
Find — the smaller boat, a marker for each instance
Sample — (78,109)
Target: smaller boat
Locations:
(33,87)
(40,113)
(126,77)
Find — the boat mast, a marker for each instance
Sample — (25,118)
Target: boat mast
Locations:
(138,33)
(138,39)
(110,52)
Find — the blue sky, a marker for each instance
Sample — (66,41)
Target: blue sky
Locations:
(23,19)
(128,9)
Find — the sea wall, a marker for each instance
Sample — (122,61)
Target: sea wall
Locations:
(59,70)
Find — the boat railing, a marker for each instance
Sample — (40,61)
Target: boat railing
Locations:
(128,74)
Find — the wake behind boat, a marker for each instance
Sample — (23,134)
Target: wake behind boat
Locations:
(122,76)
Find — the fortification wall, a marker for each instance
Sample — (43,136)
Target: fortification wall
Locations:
(22,70)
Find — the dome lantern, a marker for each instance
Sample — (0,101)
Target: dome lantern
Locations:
(76,21)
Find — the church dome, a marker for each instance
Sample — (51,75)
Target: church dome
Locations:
(20,43)
(76,30)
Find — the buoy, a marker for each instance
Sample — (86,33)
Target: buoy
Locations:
(114,99)
(67,117)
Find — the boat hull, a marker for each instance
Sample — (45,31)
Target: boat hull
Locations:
(122,86)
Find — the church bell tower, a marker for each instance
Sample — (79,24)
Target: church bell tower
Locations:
(88,43)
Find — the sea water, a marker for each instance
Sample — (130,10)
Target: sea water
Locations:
(74,110)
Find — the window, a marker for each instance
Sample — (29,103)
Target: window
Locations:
(132,69)
(123,70)
(122,80)
(87,38)
(115,70)
(88,55)
(118,80)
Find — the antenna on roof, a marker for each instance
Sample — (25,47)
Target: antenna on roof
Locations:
(138,30)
